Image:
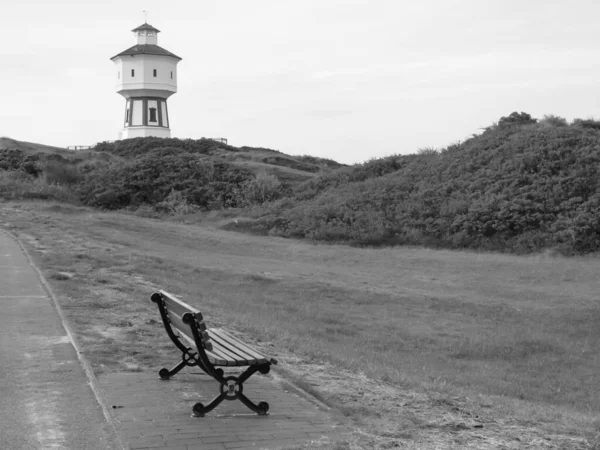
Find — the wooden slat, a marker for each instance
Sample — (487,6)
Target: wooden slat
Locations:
(230,360)
(177,322)
(244,358)
(239,361)
(176,305)
(217,360)
(223,335)
(186,339)
(237,351)
(218,355)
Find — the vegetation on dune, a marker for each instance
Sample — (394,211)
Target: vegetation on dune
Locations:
(152,176)
(522,185)
(166,175)
(130,148)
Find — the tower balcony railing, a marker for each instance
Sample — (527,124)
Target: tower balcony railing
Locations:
(153,85)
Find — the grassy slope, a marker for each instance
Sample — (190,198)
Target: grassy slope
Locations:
(519,334)
(30,147)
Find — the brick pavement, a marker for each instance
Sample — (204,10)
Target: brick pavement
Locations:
(150,413)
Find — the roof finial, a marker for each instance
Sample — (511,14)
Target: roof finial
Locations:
(145,16)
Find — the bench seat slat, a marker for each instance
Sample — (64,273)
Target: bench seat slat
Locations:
(244,359)
(218,349)
(223,336)
(216,336)
(236,353)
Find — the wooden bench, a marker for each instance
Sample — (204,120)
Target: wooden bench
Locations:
(208,348)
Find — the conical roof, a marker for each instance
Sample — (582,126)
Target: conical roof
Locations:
(146,49)
(146,26)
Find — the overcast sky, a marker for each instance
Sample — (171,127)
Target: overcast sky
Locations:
(343,79)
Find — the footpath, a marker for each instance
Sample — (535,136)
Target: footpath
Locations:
(153,414)
(46,401)
(50,399)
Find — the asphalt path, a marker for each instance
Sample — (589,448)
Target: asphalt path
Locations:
(46,401)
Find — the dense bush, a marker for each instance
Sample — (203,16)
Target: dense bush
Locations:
(130,148)
(520,186)
(263,188)
(151,177)
(17,160)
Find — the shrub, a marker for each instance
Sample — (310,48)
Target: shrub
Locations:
(587,123)
(263,188)
(17,185)
(553,121)
(61,173)
(516,118)
(150,178)
(176,204)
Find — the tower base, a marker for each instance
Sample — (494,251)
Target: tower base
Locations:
(133,132)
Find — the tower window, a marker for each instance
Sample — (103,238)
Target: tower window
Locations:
(150,33)
(119,74)
(127,108)
(154,72)
(133,72)
(171,74)
(152,114)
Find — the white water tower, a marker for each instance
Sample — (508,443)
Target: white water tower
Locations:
(146,77)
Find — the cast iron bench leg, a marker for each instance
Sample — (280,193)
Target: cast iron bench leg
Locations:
(199,409)
(232,388)
(187,359)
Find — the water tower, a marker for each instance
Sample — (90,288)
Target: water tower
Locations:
(146,77)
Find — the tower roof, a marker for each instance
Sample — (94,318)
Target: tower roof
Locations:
(146,49)
(146,26)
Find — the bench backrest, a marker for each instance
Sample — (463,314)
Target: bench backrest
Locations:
(181,316)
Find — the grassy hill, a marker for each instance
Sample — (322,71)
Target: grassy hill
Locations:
(164,175)
(30,147)
(522,185)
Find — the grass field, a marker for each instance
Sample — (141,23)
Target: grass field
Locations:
(510,341)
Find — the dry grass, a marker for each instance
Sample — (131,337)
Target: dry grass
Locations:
(32,147)
(473,338)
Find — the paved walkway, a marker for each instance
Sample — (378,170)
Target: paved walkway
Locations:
(155,414)
(45,399)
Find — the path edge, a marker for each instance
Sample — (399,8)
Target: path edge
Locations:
(87,368)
